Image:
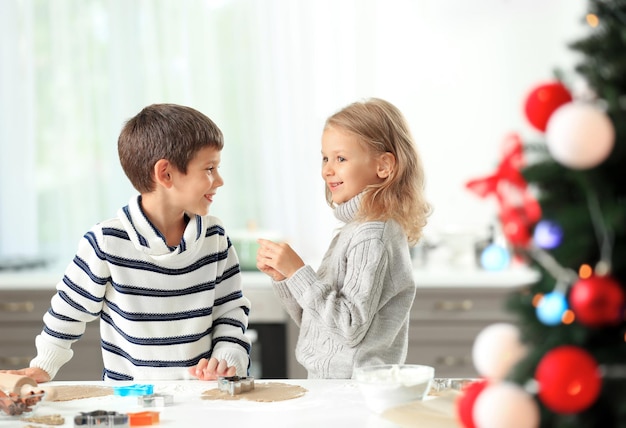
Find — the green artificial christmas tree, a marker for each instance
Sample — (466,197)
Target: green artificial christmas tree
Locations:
(584,204)
(570,225)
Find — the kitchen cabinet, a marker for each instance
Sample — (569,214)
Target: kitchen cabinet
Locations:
(445,321)
(450,309)
(21,319)
(25,297)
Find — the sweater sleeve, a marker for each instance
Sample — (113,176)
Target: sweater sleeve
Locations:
(291,305)
(78,300)
(345,311)
(230,312)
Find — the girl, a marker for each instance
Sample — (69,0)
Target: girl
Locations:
(354,311)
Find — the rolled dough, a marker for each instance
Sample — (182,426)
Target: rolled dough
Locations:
(262,392)
(77,392)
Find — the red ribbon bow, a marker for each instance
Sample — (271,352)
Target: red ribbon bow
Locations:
(519,210)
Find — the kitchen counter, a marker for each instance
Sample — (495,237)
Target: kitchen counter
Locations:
(267,308)
(440,277)
(257,288)
(451,307)
(41,279)
(434,277)
(327,403)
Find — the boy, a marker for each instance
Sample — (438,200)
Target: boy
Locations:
(162,276)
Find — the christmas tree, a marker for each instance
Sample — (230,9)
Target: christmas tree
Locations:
(564,364)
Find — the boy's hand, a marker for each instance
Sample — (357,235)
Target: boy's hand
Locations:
(35,373)
(211,369)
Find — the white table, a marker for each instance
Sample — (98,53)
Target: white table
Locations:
(327,404)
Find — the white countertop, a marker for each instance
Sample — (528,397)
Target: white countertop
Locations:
(436,277)
(327,403)
(439,277)
(266,308)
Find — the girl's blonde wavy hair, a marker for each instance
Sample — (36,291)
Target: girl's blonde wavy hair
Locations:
(382,128)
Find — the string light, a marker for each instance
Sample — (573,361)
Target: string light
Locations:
(585,271)
(568,317)
(551,309)
(536,299)
(548,235)
(592,20)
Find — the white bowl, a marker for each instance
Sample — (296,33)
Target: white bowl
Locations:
(391,385)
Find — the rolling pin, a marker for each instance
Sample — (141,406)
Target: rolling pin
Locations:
(23,384)
(14,383)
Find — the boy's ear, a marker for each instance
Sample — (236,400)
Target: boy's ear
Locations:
(386,165)
(162,173)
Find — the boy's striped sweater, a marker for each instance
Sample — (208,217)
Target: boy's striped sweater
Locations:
(161,308)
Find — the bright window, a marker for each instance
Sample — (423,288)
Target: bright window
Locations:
(268,72)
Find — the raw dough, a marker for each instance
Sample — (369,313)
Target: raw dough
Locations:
(48,420)
(439,412)
(262,392)
(77,392)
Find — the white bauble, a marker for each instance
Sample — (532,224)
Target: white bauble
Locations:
(496,349)
(579,135)
(505,404)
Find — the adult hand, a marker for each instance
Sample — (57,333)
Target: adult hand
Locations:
(35,373)
(212,368)
(276,258)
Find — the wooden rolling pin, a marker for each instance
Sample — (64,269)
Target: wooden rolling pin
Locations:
(23,385)
(14,383)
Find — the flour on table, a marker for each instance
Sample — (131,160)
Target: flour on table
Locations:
(262,392)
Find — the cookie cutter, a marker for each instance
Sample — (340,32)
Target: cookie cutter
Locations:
(143,418)
(100,419)
(235,384)
(136,389)
(155,400)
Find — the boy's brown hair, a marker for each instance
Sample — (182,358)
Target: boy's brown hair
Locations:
(164,131)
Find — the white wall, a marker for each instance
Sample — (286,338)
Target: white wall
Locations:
(458,69)
(466,76)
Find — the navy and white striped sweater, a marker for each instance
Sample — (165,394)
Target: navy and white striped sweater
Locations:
(161,308)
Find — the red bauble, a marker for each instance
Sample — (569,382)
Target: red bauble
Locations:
(569,379)
(465,402)
(597,301)
(543,101)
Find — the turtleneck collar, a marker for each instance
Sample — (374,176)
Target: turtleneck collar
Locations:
(149,240)
(347,211)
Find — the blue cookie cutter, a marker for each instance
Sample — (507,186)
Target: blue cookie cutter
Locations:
(125,391)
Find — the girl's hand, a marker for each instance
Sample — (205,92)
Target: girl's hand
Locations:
(211,369)
(273,273)
(35,373)
(278,260)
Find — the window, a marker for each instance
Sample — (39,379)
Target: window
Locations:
(268,72)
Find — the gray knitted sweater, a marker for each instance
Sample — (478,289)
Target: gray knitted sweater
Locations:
(355,310)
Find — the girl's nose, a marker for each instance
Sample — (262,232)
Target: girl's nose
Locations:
(326,169)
